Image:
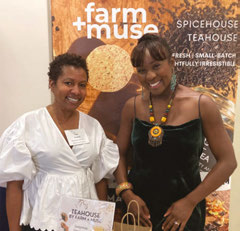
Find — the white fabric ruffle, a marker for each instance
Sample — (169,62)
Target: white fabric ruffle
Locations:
(33,149)
(44,193)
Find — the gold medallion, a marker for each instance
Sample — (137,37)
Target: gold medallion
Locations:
(155,136)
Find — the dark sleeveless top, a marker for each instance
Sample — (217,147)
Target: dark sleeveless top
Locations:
(164,174)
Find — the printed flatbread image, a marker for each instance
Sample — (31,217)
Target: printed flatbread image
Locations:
(109,67)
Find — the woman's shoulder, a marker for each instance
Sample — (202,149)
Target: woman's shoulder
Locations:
(36,112)
(189,95)
(186,92)
(192,101)
(131,100)
(88,119)
(33,117)
(29,115)
(19,124)
(130,105)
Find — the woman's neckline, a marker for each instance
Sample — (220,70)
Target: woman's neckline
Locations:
(167,125)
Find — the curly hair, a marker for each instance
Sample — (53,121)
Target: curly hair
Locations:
(66,59)
(155,44)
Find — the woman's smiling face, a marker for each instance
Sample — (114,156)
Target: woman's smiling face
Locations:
(155,75)
(70,88)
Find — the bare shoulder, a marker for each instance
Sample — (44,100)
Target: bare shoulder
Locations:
(129,104)
(194,103)
(205,103)
(184,92)
(187,94)
(209,108)
(128,109)
(187,97)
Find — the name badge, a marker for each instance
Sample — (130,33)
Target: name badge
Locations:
(76,137)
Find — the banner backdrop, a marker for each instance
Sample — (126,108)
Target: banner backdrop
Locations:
(204,39)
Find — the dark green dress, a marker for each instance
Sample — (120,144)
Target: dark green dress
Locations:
(162,175)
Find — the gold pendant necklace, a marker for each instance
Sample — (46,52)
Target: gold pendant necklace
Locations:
(155,134)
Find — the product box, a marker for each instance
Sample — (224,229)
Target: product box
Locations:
(77,214)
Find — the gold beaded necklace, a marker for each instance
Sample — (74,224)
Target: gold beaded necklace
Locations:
(156,133)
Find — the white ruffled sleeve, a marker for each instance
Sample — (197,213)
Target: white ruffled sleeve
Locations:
(107,161)
(15,158)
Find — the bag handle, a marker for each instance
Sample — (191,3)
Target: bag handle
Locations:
(138,216)
(134,221)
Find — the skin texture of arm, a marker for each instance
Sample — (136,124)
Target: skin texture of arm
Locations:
(101,188)
(123,142)
(222,149)
(14,196)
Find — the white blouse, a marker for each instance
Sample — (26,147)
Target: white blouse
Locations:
(34,150)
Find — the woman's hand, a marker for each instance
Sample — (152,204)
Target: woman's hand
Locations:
(127,196)
(178,214)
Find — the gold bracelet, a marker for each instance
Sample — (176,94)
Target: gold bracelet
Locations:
(123,186)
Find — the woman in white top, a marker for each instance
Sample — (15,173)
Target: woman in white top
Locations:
(43,158)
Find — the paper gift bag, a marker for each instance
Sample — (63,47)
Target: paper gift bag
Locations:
(121,226)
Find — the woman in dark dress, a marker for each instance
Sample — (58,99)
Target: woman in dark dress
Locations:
(166,127)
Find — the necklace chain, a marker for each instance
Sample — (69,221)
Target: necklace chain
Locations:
(155,134)
(165,114)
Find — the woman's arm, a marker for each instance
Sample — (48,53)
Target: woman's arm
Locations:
(102,187)
(222,149)
(123,142)
(14,196)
